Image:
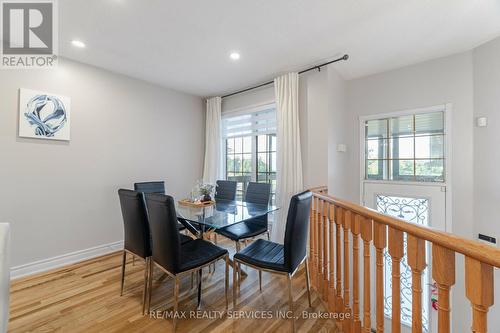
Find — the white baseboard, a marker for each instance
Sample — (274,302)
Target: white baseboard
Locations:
(63,260)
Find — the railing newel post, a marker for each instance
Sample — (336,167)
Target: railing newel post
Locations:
(316,237)
(325,251)
(355,229)
(319,212)
(396,250)
(416,260)
(443,272)
(339,305)
(347,292)
(479,291)
(380,242)
(331,287)
(366,235)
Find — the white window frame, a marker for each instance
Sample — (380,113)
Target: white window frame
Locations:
(242,111)
(446,185)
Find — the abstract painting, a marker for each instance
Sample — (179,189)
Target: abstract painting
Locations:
(43,115)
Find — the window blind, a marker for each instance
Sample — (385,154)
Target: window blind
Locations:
(409,148)
(258,122)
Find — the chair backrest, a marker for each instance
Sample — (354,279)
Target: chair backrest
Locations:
(226,190)
(163,221)
(135,223)
(150,187)
(258,193)
(297,223)
(4,275)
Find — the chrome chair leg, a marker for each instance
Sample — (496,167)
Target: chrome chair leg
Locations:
(176,301)
(290,300)
(124,261)
(235,282)
(150,283)
(226,286)
(268,236)
(239,275)
(260,280)
(199,287)
(209,267)
(146,281)
(238,248)
(308,283)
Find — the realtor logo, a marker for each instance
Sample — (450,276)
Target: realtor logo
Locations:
(28,34)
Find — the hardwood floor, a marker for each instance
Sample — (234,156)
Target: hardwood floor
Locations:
(85,297)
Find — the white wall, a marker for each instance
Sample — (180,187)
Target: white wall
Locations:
(62,196)
(338,167)
(439,81)
(486,152)
(486,157)
(322,127)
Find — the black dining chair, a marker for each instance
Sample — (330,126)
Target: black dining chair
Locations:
(150,187)
(137,236)
(159,188)
(171,256)
(225,190)
(281,259)
(257,193)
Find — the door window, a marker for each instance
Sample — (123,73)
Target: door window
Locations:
(406,148)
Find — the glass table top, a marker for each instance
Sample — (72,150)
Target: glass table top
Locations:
(223,213)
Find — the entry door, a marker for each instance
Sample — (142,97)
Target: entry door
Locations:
(421,204)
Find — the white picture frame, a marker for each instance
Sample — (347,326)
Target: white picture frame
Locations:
(44,115)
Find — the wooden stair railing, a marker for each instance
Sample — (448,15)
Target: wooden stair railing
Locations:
(335,263)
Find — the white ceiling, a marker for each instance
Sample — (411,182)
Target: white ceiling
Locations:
(185,45)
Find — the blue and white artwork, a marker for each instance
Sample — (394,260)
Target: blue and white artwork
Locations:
(44,115)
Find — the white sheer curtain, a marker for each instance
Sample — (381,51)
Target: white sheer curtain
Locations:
(289,159)
(212,168)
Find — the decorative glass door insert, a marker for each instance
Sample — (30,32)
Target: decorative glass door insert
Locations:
(414,210)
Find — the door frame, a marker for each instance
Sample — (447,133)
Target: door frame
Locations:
(447,109)
(429,195)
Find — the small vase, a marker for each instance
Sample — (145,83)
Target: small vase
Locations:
(206,198)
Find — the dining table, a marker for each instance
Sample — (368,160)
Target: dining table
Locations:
(221,213)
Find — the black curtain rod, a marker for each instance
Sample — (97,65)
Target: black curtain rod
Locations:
(318,67)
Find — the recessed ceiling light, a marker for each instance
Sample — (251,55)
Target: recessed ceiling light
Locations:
(78,43)
(234,56)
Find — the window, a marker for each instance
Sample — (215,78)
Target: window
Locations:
(406,148)
(250,148)
(239,162)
